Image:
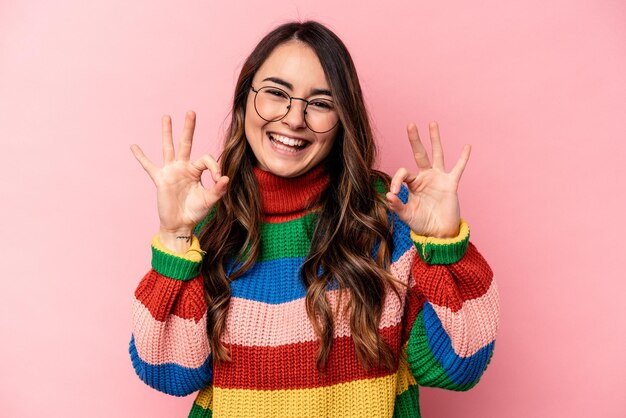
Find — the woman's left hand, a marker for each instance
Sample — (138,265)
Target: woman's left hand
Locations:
(433,206)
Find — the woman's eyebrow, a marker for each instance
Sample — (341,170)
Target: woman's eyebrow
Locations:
(287,84)
(323,92)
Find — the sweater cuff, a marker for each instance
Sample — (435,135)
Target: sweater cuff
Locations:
(175,265)
(442,250)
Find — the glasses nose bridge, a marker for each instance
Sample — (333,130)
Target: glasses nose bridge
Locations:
(291,99)
(300,116)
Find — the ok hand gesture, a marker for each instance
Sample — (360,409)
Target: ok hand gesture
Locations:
(433,205)
(182,199)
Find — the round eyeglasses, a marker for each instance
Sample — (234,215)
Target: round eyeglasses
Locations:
(272,104)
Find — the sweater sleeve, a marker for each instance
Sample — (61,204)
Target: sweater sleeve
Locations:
(169,346)
(453,312)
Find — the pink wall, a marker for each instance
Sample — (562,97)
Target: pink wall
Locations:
(537,87)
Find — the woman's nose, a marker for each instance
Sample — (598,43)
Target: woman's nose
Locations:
(295,115)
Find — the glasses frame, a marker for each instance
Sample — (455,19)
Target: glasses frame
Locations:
(291,98)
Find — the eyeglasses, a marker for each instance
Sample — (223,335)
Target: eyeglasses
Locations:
(272,104)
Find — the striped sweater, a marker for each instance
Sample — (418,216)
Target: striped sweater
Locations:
(442,330)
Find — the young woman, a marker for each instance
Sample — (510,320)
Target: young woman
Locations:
(304,283)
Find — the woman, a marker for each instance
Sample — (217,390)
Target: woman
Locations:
(304,283)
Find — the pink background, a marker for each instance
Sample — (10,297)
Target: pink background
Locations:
(537,87)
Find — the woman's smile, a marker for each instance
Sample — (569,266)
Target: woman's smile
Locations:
(287,144)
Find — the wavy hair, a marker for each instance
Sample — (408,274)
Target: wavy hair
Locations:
(352,220)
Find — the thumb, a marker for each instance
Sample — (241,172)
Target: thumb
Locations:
(216,192)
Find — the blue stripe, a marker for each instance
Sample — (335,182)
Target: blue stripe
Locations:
(275,281)
(460,370)
(401,235)
(171,378)
(401,239)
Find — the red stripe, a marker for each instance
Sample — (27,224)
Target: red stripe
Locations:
(293,366)
(451,285)
(281,195)
(164,296)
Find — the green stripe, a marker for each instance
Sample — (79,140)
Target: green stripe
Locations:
(199,412)
(282,240)
(408,403)
(287,239)
(174,267)
(432,253)
(423,365)
(380,187)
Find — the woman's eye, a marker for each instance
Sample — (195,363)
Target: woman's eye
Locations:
(277,93)
(321,104)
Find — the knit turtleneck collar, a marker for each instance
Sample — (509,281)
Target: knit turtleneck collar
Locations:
(285,196)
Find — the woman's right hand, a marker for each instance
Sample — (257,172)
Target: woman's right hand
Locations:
(182,199)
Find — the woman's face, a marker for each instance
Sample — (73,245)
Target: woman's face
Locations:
(288,148)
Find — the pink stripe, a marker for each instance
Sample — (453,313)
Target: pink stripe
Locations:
(474,325)
(412,253)
(401,269)
(251,323)
(180,341)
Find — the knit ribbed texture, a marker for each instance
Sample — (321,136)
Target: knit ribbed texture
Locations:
(283,197)
(442,331)
(442,250)
(174,265)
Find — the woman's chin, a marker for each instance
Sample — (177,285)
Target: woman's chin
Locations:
(285,170)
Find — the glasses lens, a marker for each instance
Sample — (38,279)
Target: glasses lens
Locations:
(321,115)
(271,103)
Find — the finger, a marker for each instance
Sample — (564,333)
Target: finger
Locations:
(207,162)
(419,152)
(143,160)
(402,176)
(168,142)
(437,149)
(396,205)
(184,146)
(459,167)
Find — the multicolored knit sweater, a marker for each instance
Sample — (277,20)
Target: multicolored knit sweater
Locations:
(442,330)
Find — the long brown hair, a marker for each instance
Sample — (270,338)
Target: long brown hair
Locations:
(351,222)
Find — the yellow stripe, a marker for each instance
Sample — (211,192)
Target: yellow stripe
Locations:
(463,233)
(205,397)
(405,377)
(361,398)
(194,253)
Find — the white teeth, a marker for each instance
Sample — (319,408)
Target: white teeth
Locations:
(288,141)
(282,147)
